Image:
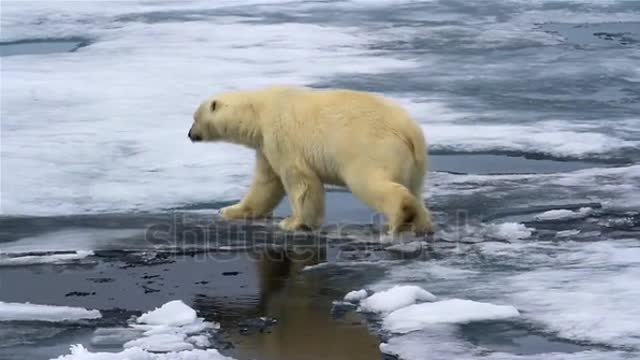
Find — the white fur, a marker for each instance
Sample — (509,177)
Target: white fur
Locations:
(306,138)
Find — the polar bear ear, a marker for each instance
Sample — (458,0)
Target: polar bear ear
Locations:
(213,105)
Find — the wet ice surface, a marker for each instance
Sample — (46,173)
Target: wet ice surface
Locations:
(40,47)
(530,108)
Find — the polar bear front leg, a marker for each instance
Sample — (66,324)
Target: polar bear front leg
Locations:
(265,193)
(306,195)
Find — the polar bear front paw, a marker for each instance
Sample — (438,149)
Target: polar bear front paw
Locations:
(236,211)
(292,224)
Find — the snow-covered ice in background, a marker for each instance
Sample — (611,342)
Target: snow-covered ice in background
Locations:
(122,144)
(441,343)
(563,214)
(81,239)
(395,298)
(44,259)
(174,330)
(511,231)
(407,248)
(453,311)
(541,138)
(107,132)
(567,233)
(26,312)
(588,292)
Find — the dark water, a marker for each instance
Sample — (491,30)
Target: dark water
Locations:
(235,288)
(39,47)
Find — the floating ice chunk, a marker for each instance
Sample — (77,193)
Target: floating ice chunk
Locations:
(172,331)
(199,340)
(511,231)
(567,233)
(19,311)
(44,259)
(161,343)
(168,327)
(356,295)
(410,247)
(173,313)
(454,311)
(395,298)
(78,352)
(113,336)
(564,214)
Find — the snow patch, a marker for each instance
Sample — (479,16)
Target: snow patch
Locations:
(355,296)
(564,214)
(395,298)
(511,231)
(406,248)
(172,331)
(78,352)
(454,311)
(173,313)
(27,312)
(44,259)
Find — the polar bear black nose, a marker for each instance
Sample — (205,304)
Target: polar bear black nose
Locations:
(194,137)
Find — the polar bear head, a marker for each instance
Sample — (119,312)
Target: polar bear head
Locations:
(228,117)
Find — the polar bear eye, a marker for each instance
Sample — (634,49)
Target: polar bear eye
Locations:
(213,106)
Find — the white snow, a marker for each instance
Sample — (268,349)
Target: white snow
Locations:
(443,343)
(173,313)
(395,298)
(567,233)
(454,311)
(408,248)
(588,293)
(24,312)
(511,231)
(80,239)
(173,330)
(101,151)
(355,295)
(44,259)
(161,343)
(564,214)
(548,138)
(94,150)
(78,352)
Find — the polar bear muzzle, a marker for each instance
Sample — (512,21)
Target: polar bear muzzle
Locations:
(193,136)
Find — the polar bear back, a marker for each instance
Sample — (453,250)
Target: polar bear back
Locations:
(335,132)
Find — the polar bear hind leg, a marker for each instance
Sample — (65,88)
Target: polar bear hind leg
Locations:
(403,210)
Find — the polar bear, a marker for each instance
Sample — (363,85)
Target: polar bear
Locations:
(305,138)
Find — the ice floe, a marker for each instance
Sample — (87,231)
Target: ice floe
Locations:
(395,298)
(511,231)
(44,259)
(172,331)
(563,214)
(453,311)
(33,312)
(79,352)
(355,295)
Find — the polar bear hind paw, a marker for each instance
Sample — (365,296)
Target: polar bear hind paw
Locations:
(292,223)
